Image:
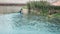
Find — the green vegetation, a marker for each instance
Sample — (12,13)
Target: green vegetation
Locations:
(43,7)
(38,5)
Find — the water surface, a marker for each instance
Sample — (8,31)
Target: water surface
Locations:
(17,23)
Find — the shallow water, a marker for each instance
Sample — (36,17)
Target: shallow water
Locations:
(17,23)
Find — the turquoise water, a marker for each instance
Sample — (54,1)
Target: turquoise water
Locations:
(17,23)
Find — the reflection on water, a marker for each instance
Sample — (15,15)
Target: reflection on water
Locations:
(27,24)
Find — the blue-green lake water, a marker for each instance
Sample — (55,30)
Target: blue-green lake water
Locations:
(17,23)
